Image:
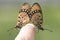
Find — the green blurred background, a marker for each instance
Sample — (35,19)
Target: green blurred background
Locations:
(51,14)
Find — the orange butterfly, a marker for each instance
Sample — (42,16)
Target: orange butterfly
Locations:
(29,14)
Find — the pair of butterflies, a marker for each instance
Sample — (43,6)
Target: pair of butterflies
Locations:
(29,14)
(32,15)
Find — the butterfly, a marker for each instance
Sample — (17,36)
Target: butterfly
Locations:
(32,15)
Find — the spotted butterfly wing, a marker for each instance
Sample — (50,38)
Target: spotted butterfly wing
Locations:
(23,17)
(37,17)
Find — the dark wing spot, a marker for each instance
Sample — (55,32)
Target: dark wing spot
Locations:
(39,27)
(19,17)
(41,19)
(17,26)
(39,16)
(22,17)
(40,22)
(18,20)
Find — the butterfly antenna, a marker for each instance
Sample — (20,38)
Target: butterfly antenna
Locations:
(10,30)
(48,30)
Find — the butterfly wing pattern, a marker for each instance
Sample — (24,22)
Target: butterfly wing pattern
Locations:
(23,17)
(37,17)
(32,15)
(29,14)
